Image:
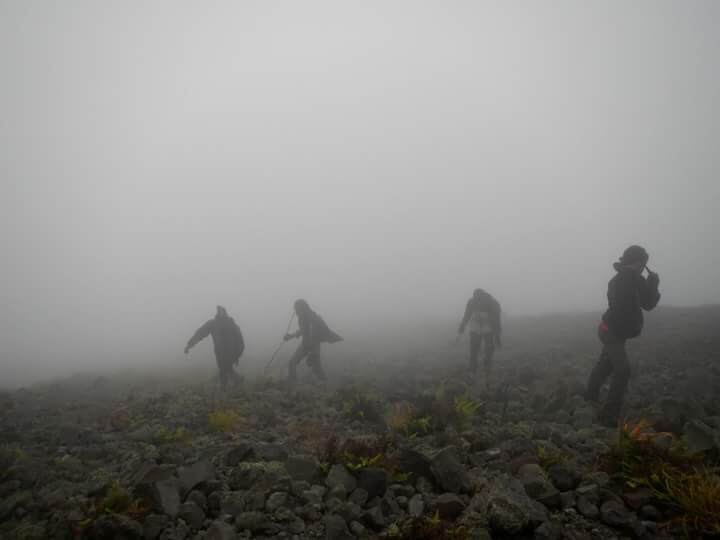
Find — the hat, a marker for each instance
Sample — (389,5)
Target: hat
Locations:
(634,254)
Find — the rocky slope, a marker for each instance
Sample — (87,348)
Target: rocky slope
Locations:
(408,453)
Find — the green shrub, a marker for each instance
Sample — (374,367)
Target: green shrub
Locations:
(224,421)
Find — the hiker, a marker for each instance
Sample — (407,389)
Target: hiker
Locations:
(227,340)
(482,312)
(314,331)
(628,294)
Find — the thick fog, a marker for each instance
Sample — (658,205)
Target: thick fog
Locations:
(380,159)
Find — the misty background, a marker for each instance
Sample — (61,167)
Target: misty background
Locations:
(380,159)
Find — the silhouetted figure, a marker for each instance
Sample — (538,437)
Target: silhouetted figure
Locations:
(314,331)
(227,340)
(628,294)
(482,312)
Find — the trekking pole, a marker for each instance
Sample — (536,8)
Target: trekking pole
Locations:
(287,330)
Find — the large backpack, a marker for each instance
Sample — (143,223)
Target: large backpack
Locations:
(321,331)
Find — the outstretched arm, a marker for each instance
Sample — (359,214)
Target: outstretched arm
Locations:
(200,334)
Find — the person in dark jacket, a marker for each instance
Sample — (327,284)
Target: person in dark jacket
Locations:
(314,331)
(482,312)
(227,340)
(629,293)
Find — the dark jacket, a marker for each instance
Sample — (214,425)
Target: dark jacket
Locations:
(486,303)
(628,294)
(226,335)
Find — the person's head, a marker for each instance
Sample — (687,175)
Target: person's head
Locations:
(220,312)
(634,258)
(479,294)
(301,307)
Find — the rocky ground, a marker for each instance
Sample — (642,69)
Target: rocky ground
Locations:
(412,449)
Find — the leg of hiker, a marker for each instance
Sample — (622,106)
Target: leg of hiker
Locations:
(230,373)
(313,360)
(488,358)
(296,358)
(619,384)
(602,370)
(223,374)
(475,345)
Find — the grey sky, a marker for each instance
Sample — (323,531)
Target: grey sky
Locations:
(381,159)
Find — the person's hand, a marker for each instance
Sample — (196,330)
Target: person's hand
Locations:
(287,337)
(653,279)
(187,349)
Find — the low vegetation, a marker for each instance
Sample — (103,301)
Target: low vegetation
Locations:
(10,458)
(428,528)
(358,454)
(549,457)
(405,420)
(358,403)
(225,420)
(686,486)
(171,436)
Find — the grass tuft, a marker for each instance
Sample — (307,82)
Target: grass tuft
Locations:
(685,486)
(548,457)
(405,420)
(224,421)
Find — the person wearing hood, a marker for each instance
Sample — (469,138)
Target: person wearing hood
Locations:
(482,312)
(628,294)
(227,340)
(314,331)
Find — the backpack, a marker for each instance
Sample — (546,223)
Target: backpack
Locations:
(322,331)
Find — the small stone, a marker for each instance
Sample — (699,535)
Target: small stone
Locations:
(153,525)
(242,452)
(192,514)
(450,506)
(651,513)
(312,497)
(276,500)
(336,528)
(199,498)
(165,497)
(374,481)
(337,492)
(615,514)
(374,518)
(339,476)
(449,472)
(587,508)
(296,526)
(638,498)
(219,530)
(194,475)
(424,486)
(416,505)
(302,467)
(359,497)
(506,517)
(115,526)
(536,483)
(567,500)
(564,477)
(548,531)
(358,529)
